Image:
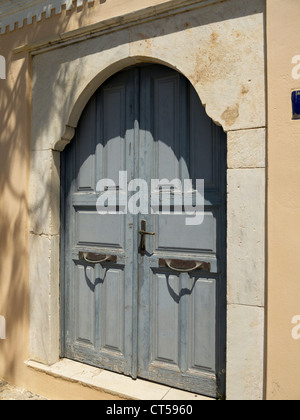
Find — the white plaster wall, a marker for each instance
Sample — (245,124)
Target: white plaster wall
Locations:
(220,49)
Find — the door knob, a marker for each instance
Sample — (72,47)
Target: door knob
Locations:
(143,234)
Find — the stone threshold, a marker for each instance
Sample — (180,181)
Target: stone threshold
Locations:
(113,383)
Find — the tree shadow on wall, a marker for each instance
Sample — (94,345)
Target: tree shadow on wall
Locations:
(13,217)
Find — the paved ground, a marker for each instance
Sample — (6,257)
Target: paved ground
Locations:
(12,393)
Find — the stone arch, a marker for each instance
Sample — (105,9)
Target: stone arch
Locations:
(90,88)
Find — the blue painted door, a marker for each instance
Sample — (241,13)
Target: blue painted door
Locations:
(144,294)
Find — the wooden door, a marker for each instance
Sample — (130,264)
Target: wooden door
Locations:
(150,306)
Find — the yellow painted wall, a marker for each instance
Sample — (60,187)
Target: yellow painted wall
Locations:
(283,284)
(14,158)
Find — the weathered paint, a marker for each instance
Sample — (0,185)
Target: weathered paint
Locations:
(149,122)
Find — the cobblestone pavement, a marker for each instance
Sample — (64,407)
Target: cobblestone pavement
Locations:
(12,393)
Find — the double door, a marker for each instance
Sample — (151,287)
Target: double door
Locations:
(143,285)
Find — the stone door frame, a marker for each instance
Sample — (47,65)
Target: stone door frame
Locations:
(231,85)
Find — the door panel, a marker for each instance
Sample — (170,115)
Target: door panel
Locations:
(181,301)
(113,100)
(202,336)
(174,235)
(113,302)
(85,150)
(166,118)
(165,319)
(93,229)
(85,301)
(136,313)
(204,147)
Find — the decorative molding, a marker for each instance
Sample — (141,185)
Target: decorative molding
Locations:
(116,23)
(66,138)
(14,12)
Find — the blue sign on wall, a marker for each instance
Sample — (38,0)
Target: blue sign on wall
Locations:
(296,104)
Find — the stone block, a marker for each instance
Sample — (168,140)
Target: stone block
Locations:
(247,148)
(44,203)
(44,298)
(245,353)
(246,236)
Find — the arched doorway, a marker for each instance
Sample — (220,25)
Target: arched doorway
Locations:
(144,292)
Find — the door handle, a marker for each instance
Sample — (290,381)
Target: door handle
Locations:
(143,234)
(183,266)
(93,258)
